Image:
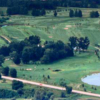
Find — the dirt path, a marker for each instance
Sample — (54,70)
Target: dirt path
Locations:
(50,86)
(4,37)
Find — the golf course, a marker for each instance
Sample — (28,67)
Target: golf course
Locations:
(70,70)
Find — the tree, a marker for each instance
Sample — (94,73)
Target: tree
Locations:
(76,13)
(17,85)
(40,94)
(55,13)
(48,77)
(25,57)
(16,59)
(36,12)
(20,91)
(97,14)
(4,50)
(0,76)
(92,14)
(68,89)
(13,72)
(71,13)
(80,13)
(86,43)
(1,59)
(34,40)
(43,12)
(45,59)
(63,95)
(73,41)
(5,71)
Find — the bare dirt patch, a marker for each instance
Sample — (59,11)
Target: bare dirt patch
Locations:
(50,36)
(66,28)
(53,27)
(95,72)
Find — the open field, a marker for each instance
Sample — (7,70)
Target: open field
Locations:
(60,28)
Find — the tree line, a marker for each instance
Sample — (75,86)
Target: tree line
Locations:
(94,14)
(81,43)
(23,6)
(76,13)
(30,49)
(6,71)
(50,4)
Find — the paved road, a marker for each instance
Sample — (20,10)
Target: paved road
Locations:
(50,86)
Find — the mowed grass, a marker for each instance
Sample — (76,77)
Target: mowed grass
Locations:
(51,28)
(2,42)
(72,70)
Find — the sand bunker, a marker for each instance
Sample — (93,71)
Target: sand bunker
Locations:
(68,25)
(50,36)
(28,69)
(53,27)
(66,28)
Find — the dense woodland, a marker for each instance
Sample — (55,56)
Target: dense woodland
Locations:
(37,6)
(50,4)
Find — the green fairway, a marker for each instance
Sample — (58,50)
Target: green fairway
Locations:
(51,28)
(71,70)
(2,42)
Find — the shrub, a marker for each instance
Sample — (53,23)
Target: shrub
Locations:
(68,89)
(63,95)
(5,93)
(17,85)
(5,71)
(13,72)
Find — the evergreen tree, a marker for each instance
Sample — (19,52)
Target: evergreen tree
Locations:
(76,13)
(25,57)
(17,85)
(43,12)
(0,76)
(13,72)
(5,71)
(71,13)
(1,59)
(97,14)
(80,13)
(16,59)
(92,14)
(55,13)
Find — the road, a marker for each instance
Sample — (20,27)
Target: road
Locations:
(97,48)
(50,86)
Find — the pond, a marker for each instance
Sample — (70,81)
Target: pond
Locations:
(93,79)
